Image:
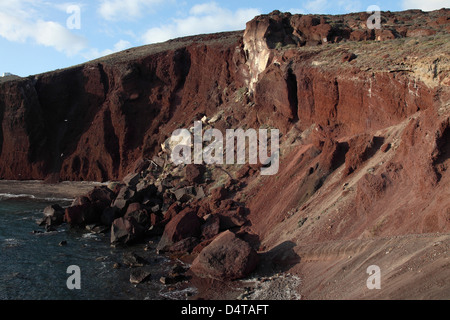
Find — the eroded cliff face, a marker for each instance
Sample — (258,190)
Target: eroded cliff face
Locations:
(323,84)
(364,116)
(365,152)
(93,121)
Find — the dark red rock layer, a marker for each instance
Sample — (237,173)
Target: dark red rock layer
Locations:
(93,121)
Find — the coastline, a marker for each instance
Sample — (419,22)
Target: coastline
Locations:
(98,257)
(258,284)
(66,190)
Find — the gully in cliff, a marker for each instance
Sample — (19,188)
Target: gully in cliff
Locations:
(213,153)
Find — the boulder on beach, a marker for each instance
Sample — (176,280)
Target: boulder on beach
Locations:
(89,209)
(230,219)
(126,231)
(184,225)
(142,217)
(80,215)
(100,193)
(109,215)
(133,260)
(53,215)
(124,198)
(226,258)
(135,206)
(145,189)
(184,194)
(53,210)
(139,275)
(211,227)
(183,246)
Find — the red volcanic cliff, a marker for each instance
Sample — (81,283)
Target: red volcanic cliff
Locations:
(91,122)
(365,147)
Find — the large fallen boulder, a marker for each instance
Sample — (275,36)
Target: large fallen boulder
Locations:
(87,209)
(100,193)
(226,258)
(184,225)
(80,215)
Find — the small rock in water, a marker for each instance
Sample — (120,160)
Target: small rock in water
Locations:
(62,243)
(172,279)
(49,229)
(132,260)
(41,222)
(116,265)
(101,258)
(100,229)
(139,275)
(89,227)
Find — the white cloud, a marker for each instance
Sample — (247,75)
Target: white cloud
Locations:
(326,7)
(296,11)
(63,6)
(19,22)
(52,34)
(351,6)
(205,8)
(114,10)
(122,45)
(316,6)
(428,5)
(95,53)
(203,18)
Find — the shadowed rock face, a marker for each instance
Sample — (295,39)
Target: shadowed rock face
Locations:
(93,121)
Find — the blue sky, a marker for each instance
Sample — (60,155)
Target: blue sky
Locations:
(43,35)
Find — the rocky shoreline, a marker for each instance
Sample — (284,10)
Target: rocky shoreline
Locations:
(39,189)
(181,209)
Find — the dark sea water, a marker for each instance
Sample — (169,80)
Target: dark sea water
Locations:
(33,266)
